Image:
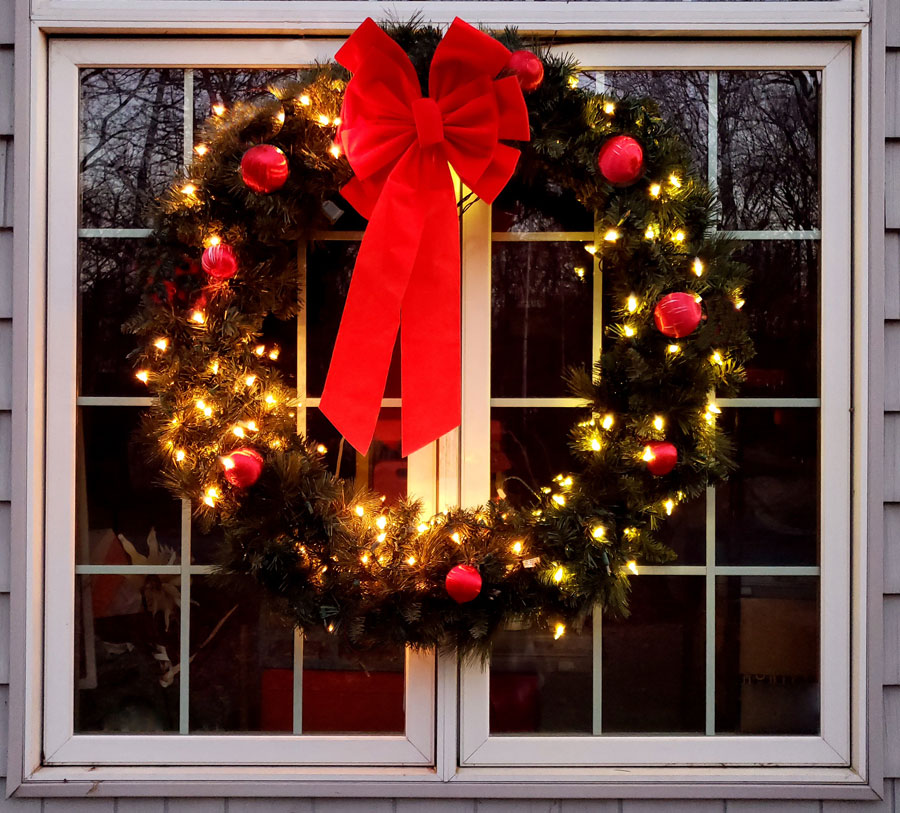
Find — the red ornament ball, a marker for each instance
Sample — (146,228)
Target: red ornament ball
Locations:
(528,68)
(242,467)
(621,160)
(662,458)
(220,262)
(463,583)
(264,168)
(677,315)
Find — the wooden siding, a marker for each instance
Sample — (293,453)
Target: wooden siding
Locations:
(891,555)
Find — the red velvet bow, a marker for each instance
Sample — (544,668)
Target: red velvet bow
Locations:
(399,144)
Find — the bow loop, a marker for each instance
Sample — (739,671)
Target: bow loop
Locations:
(399,144)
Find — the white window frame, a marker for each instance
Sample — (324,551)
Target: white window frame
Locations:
(28,776)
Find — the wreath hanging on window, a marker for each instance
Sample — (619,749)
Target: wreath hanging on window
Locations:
(266,176)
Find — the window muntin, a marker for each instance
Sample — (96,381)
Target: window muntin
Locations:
(470,484)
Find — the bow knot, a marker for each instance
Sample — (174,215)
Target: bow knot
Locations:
(429,126)
(401,146)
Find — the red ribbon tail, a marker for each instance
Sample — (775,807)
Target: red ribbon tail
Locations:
(362,353)
(430,330)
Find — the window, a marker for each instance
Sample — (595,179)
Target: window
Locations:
(198,678)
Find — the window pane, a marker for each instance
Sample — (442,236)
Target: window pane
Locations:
(685,532)
(528,449)
(111,276)
(383,470)
(542,305)
(768,511)
(125,651)
(767,655)
(131,142)
(539,685)
(782,304)
(351,693)
(682,97)
(238,651)
(653,661)
(118,494)
(769,149)
(219,86)
(328,272)
(538,205)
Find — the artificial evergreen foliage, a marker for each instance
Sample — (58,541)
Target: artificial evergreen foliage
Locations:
(375,575)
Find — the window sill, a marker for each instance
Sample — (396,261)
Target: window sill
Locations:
(535,783)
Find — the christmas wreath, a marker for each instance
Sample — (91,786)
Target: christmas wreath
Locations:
(267,175)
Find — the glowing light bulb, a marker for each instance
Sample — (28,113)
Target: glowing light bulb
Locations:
(658,423)
(201,149)
(516,548)
(607,421)
(143,376)
(260,350)
(573,82)
(198,318)
(212,240)
(270,399)
(422,527)
(716,358)
(321,449)
(632,304)
(335,151)
(208,411)
(228,463)
(566,482)
(595,444)
(655,190)
(364,558)
(411,561)
(305,100)
(218,109)
(323,119)
(359,511)
(214,368)
(280,116)
(698,266)
(679,236)
(188,189)
(648,455)
(628,330)
(609,108)
(558,574)
(161,344)
(591,249)
(559,499)
(739,303)
(714,408)
(381,537)
(650,233)
(598,532)
(212,494)
(274,353)
(611,236)
(180,455)
(559,631)
(675,181)
(669,505)
(381,522)
(579,272)
(337,121)
(673,348)
(250,380)
(632,566)
(238,431)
